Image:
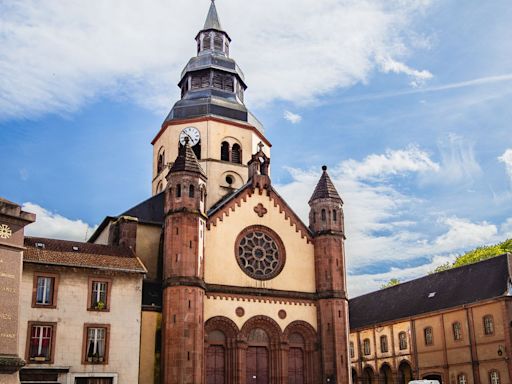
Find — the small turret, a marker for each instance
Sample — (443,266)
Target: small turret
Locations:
(326,214)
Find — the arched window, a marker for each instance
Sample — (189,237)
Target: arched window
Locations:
(461,379)
(402,341)
(494,377)
(207,41)
(224,151)
(191,191)
(161,161)
(178,190)
(324,215)
(334,215)
(236,154)
(383,344)
(352,350)
(428,333)
(457,331)
(488,325)
(366,347)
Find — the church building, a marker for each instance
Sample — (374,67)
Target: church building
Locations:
(238,289)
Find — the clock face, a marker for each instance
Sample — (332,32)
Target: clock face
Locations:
(193,136)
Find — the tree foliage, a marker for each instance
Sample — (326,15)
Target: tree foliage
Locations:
(478,254)
(390,283)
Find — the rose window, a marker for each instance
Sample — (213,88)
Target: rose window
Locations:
(260,252)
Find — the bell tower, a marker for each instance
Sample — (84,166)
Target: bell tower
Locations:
(326,222)
(183,271)
(222,132)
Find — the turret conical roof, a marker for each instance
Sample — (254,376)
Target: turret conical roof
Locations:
(186,161)
(325,189)
(212,20)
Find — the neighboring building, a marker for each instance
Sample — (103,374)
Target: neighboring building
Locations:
(452,326)
(80,313)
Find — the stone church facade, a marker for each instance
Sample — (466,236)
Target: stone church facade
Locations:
(239,289)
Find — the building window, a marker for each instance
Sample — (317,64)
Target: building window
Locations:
(191,191)
(323,215)
(366,347)
(402,341)
(488,325)
(352,350)
(236,154)
(161,161)
(96,338)
(224,151)
(334,215)
(461,379)
(41,341)
(383,344)
(494,377)
(178,190)
(457,331)
(99,294)
(428,336)
(45,290)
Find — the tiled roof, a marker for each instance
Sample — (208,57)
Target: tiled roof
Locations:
(325,189)
(186,161)
(464,285)
(76,254)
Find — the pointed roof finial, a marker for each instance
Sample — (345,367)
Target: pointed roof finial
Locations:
(186,160)
(212,20)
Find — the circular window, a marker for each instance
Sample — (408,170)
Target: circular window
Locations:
(260,252)
(229,179)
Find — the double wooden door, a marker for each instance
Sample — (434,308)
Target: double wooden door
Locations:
(257,365)
(215,364)
(295,366)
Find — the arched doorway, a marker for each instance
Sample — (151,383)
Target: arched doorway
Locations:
(404,373)
(220,350)
(296,369)
(354,376)
(368,375)
(386,376)
(303,363)
(434,376)
(257,358)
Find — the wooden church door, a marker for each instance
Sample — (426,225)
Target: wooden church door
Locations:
(215,364)
(295,366)
(257,365)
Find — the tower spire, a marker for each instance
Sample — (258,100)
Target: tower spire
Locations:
(212,20)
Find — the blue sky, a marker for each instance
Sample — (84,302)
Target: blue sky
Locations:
(407,102)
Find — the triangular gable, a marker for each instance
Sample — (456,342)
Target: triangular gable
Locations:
(231,204)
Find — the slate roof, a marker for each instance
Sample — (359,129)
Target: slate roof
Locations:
(186,161)
(150,211)
(212,20)
(77,254)
(468,284)
(325,189)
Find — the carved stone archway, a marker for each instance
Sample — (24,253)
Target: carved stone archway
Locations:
(221,345)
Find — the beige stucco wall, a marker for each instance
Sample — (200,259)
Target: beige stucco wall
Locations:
(213,133)
(221,266)
(150,324)
(103,237)
(216,305)
(71,314)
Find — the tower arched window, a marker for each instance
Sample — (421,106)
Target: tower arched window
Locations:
(218,42)
(161,161)
(191,191)
(334,215)
(236,154)
(178,190)
(224,151)
(207,41)
(323,215)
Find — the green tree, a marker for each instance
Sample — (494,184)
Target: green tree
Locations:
(390,283)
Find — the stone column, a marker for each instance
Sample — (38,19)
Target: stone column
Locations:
(12,222)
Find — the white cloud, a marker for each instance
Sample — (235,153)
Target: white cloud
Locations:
(52,225)
(292,117)
(506,158)
(56,56)
(386,224)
